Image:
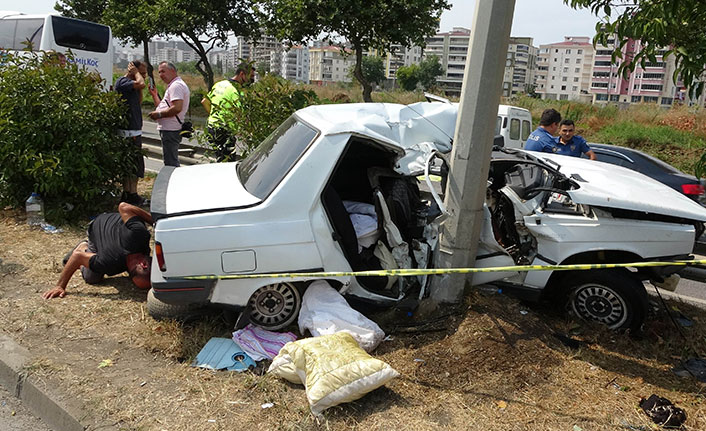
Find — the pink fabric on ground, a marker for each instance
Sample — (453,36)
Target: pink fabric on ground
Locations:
(260,343)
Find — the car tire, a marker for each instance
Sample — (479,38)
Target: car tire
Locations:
(161,310)
(613,297)
(275,306)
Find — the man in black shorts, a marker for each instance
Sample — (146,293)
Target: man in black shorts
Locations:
(117,242)
(130,88)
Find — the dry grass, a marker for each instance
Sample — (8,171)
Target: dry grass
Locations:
(485,366)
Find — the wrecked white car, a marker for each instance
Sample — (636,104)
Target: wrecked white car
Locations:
(335,188)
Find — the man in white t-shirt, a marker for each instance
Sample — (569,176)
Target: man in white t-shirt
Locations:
(170,111)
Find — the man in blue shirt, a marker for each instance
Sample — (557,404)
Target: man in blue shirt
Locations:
(569,144)
(542,139)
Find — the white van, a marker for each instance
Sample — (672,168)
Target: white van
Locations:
(514,124)
(90,43)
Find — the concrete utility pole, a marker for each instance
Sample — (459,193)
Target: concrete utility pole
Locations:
(473,142)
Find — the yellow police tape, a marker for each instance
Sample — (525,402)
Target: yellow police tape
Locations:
(439,271)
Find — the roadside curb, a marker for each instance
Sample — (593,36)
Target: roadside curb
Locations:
(55,410)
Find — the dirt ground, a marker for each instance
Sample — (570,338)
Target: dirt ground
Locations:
(492,364)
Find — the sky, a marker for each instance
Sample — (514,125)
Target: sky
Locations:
(547,21)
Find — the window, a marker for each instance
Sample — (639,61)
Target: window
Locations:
(604,52)
(656,64)
(14,33)
(566,61)
(635,99)
(563,97)
(568,51)
(601,74)
(88,36)
(265,167)
(526,129)
(650,99)
(556,51)
(564,78)
(578,61)
(580,51)
(576,79)
(614,97)
(653,76)
(555,60)
(577,70)
(566,70)
(666,101)
(601,97)
(602,63)
(574,88)
(656,87)
(599,85)
(552,87)
(563,87)
(515,129)
(553,69)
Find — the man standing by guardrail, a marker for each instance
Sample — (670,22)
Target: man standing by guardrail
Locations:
(170,111)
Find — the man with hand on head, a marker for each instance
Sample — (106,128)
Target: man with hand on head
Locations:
(117,242)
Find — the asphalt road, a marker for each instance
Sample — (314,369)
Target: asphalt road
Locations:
(16,417)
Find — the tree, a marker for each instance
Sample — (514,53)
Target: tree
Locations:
(408,77)
(675,25)
(205,24)
(370,24)
(373,69)
(429,69)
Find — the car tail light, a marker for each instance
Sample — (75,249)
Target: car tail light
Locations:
(692,189)
(160,256)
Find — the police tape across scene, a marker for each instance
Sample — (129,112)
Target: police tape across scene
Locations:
(440,271)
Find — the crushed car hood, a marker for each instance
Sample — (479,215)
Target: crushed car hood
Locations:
(198,188)
(606,185)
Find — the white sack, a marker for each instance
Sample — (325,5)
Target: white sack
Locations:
(324,311)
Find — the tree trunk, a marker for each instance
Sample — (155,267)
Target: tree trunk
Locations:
(207,72)
(358,73)
(146,51)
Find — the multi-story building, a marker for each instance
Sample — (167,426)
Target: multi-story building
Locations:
(401,56)
(295,64)
(564,69)
(520,66)
(327,65)
(451,48)
(652,84)
(264,51)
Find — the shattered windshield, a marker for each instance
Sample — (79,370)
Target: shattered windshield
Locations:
(263,169)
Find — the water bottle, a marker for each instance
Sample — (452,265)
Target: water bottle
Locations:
(35,210)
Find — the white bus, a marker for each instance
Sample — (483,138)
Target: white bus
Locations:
(90,43)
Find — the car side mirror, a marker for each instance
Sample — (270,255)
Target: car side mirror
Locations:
(499,141)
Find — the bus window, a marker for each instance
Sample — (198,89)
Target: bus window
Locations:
(86,36)
(28,30)
(514,129)
(7,33)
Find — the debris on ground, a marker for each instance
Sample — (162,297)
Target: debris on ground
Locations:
(223,354)
(260,343)
(324,311)
(662,411)
(335,369)
(695,367)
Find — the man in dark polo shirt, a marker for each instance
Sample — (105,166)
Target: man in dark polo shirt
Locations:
(117,242)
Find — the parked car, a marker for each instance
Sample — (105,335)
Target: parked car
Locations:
(292,206)
(653,167)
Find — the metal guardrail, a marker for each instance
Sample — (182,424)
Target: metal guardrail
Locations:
(190,152)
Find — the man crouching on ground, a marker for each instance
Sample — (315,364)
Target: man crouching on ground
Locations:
(117,242)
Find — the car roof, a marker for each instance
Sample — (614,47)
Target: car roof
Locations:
(632,154)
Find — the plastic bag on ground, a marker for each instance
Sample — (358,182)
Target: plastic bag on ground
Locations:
(324,311)
(260,343)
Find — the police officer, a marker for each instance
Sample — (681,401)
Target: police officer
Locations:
(542,139)
(222,99)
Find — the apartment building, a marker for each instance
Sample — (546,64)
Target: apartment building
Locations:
(264,51)
(651,84)
(327,65)
(401,56)
(173,51)
(564,69)
(295,64)
(451,48)
(520,66)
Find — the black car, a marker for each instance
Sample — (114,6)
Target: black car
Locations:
(654,168)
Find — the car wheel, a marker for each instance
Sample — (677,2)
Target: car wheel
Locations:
(161,310)
(614,298)
(275,306)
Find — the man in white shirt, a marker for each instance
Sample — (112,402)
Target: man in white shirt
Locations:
(170,111)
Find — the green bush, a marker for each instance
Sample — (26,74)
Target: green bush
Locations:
(264,106)
(58,135)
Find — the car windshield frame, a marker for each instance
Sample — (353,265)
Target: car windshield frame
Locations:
(270,162)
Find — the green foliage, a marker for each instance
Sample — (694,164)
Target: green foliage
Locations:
(371,24)
(187,67)
(373,69)
(264,106)
(429,69)
(408,77)
(58,135)
(673,25)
